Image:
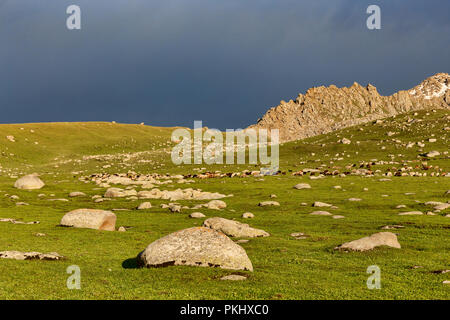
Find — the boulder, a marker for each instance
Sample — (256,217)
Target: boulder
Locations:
(234,228)
(29,182)
(90,218)
(368,243)
(196,246)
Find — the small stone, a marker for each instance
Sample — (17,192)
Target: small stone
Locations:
(144,206)
(234,277)
(321,204)
(248,215)
(301,186)
(320,213)
(197,215)
(268,203)
(234,228)
(369,243)
(77,194)
(410,213)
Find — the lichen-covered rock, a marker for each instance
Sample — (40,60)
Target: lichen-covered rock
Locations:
(234,228)
(29,182)
(90,218)
(368,243)
(196,246)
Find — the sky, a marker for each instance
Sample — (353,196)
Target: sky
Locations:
(224,62)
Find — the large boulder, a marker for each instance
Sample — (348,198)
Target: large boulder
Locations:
(234,228)
(368,243)
(196,246)
(91,219)
(29,182)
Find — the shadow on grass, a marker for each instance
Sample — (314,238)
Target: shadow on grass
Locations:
(130,263)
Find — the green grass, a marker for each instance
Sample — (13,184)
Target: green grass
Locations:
(284,268)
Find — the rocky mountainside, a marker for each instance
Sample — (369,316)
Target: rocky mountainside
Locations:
(324,109)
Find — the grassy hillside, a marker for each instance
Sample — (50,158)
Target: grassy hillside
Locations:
(284,268)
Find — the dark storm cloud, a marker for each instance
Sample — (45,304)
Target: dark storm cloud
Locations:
(169,62)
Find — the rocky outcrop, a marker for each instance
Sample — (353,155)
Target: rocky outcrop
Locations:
(325,109)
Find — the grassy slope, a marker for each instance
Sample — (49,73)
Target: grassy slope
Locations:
(284,268)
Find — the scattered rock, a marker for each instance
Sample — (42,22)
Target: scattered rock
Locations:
(234,228)
(216,204)
(248,215)
(320,213)
(17,255)
(411,213)
(77,194)
(197,215)
(302,186)
(392,227)
(338,217)
(122,229)
(368,243)
(11,138)
(321,204)
(432,154)
(268,203)
(29,182)
(91,219)
(174,208)
(144,206)
(442,206)
(299,235)
(234,277)
(196,246)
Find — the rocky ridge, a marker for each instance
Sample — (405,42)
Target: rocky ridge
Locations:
(325,109)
